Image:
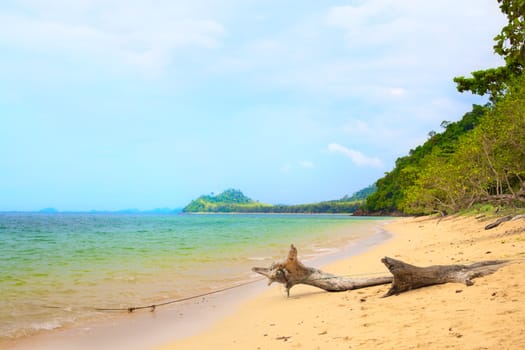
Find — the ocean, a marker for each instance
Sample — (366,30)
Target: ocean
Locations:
(57,269)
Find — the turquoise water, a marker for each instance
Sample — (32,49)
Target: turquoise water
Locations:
(57,268)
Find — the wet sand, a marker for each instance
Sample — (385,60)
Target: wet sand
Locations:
(148,330)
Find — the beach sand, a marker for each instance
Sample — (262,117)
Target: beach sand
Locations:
(488,315)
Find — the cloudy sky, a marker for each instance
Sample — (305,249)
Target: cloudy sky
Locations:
(113,104)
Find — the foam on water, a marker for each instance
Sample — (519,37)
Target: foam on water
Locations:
(47,326)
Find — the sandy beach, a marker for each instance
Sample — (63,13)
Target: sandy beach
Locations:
(488,315)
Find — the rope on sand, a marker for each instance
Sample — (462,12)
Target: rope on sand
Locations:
(154,306)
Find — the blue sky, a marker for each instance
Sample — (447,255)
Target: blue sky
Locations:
(112,104)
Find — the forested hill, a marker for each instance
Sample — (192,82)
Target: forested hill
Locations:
(228,201)
(392,194)
(234,201)
(479,159)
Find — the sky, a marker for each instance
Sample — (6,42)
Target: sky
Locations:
(117,104)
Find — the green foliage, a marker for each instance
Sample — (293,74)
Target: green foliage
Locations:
(510,41)
(509,44)
(234,201)
(228,201)
(480,159)
(490,81)
(394,189)
(328,207)
(230,196)
(360,195)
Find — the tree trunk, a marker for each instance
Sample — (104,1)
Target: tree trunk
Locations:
(498,222)
(292,272)
(407,277)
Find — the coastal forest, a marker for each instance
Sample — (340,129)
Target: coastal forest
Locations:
(234,201)
(479,159)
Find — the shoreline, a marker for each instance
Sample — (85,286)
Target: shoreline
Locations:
(488,315)
(146,330)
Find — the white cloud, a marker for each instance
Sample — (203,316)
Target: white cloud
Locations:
(385,49)
(377,74)
(286,168)
(112,32)
(397,92)
(357,157)
(265,46)
(393,136)
(306,164)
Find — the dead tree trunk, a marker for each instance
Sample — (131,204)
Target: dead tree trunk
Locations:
(292,272)
(498,222)
(407,277)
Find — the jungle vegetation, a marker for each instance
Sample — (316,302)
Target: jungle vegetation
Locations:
(480,158)
(234,201)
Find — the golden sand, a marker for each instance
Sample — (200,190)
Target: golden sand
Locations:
(488,315)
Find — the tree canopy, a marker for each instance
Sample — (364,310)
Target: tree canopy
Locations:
(481,157)
(234,201)
(393,189)
(487,165)
(510,45)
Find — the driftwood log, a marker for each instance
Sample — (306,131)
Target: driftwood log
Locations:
(292,272)
(504,219)
(498,222)
(405,276)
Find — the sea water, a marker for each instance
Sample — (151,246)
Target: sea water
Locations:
(57,269)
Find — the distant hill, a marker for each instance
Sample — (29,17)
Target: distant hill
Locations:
(123,211)
(361,194)
(48,211)
(228,201)
(234,201)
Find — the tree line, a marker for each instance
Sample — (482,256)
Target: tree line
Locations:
(234,201)
(480,158)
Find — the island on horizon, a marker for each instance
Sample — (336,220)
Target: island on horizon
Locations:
(234,201)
